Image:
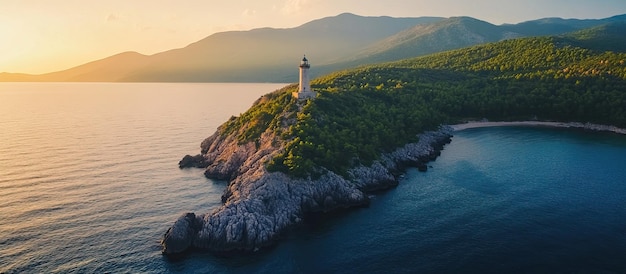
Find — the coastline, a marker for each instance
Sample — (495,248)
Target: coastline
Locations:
(258,206)
(576,125)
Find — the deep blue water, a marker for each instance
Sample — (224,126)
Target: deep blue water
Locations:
(498,200)
(89,183)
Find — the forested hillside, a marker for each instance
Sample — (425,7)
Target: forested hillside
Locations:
(360,113)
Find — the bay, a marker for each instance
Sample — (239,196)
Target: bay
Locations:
(89,183)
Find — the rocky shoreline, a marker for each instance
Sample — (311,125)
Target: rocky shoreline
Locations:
(259,205)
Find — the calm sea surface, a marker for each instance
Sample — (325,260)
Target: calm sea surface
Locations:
(89,183)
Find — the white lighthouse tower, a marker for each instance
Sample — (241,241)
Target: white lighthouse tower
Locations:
(304,90)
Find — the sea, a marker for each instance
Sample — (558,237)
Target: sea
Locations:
(89,183)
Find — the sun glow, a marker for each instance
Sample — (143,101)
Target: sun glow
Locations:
(44,36)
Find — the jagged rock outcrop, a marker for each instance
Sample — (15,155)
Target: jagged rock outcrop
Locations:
(192,161)
(181,235)
(259,205)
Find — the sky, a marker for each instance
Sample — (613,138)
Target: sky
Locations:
(39,36)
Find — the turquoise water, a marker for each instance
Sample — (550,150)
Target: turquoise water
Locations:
(89,183)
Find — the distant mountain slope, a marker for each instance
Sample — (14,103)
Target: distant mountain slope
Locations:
(332,43)
(608,37)
(452,33)
(552,26)
(262,54)
(460,32)
(110,69)
(257,55)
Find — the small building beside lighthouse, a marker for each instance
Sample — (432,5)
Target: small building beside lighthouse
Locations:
(304,89)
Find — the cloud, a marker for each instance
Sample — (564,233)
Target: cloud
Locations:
(249,13)
(295,6)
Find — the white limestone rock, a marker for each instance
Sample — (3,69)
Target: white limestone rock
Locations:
(259,205)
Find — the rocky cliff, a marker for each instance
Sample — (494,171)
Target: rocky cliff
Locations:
(258,205)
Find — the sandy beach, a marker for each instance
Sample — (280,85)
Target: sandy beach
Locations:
(587,126)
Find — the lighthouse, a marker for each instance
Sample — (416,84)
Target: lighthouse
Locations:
(304,90)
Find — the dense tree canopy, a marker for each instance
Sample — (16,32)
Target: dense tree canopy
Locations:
(361,113)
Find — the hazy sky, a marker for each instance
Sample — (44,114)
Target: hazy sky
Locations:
(38,36)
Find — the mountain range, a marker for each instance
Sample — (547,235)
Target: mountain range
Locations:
(331,43)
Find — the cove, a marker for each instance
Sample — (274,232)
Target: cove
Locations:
(503,199)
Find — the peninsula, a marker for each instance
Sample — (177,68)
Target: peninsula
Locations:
(288,156)
(259,204)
